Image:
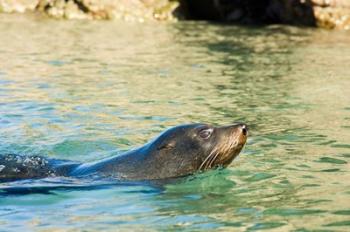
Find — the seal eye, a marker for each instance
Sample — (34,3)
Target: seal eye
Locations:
(165,146)
(205,133)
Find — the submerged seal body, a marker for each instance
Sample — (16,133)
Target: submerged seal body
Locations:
(179,151)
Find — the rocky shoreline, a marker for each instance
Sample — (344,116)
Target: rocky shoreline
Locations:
(127,10)
(330,14)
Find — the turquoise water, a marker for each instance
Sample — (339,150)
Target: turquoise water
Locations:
(88,90)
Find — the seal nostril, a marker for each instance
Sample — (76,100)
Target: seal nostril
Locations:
(244,131)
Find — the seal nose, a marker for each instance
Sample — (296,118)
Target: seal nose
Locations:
(244,128)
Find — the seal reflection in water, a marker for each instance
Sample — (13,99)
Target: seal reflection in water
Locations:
(179,151)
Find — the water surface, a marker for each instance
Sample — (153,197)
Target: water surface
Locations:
(88,90)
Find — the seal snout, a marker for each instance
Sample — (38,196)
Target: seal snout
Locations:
(241,133)
(244,128)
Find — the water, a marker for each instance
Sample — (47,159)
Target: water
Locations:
(88,90)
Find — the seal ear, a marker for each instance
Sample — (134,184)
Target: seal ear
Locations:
(166,146)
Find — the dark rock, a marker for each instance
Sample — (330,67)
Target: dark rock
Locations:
(323,13)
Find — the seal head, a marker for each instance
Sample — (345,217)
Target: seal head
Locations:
(179,151)
(202,146)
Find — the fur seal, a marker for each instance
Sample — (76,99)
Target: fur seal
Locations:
(179,151)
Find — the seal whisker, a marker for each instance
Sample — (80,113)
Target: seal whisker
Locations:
(207,165)
(213,160)
(206,159)
(225,149)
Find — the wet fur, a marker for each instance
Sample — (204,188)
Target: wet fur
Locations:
(179,151)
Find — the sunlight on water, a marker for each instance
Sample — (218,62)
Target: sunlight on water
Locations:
(88,90)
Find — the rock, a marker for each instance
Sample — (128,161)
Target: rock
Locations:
(331,3)
(62,9)
(297,12)
(251,11)
(333,18)
(129,10)
(11,6)
(332,14)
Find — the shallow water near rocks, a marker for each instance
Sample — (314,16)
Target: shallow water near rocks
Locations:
(88,90)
